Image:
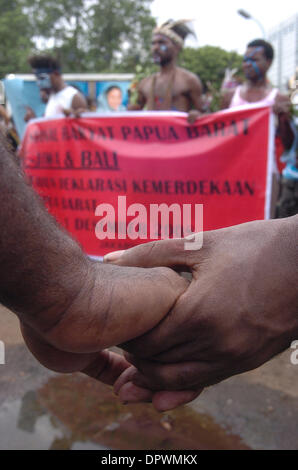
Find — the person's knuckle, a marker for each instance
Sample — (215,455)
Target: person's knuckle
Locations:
(142,253)
(235,349)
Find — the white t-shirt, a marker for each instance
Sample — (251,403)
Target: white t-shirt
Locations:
(59,101)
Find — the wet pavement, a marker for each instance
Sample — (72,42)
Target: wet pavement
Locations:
(43,410)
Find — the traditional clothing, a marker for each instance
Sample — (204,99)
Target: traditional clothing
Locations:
(168,29)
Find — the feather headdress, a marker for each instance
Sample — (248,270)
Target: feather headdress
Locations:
(175,30)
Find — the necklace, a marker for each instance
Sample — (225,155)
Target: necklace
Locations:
(157,103)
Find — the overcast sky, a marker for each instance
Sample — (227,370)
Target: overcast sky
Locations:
(217,23)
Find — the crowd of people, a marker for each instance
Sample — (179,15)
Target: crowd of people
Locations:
(180,336)
(175,88)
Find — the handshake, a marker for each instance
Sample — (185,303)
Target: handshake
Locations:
(239,309)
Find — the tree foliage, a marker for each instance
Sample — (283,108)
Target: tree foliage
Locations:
(58,27)
(123,39)
(210,63)
(101,35)
(15,38)
(94,36)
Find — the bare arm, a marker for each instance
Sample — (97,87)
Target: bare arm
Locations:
(195,94)
(78,106)
(79,102)
(282,108)
(226,98)
(72,303)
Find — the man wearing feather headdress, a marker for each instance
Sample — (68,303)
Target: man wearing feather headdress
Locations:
(172,88)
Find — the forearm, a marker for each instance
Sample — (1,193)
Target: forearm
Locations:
(76,304)
(225,99)
(41,266)
(285,130)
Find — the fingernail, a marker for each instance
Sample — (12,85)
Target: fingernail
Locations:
(113,256)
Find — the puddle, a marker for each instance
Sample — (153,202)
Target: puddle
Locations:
(91,412)
(75,412)
(26,425)
(25,431)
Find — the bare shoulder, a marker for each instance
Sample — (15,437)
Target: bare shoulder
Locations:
(189,76)
(281,97)
(79,101)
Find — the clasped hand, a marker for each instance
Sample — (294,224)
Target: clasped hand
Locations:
(238,311)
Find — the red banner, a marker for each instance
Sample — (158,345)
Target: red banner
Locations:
(99,169)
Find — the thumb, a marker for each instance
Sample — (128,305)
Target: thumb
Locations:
(170,253)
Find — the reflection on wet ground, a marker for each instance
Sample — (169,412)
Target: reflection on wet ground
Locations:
(42,410)
(75,412)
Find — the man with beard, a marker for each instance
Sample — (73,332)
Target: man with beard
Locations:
(172,88)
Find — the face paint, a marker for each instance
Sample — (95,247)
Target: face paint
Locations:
(43,81)
(249,59)
(156,58)
(43,77)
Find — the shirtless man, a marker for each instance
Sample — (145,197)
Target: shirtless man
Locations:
(172,88)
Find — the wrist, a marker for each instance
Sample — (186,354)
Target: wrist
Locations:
(75,322)
(58,283)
